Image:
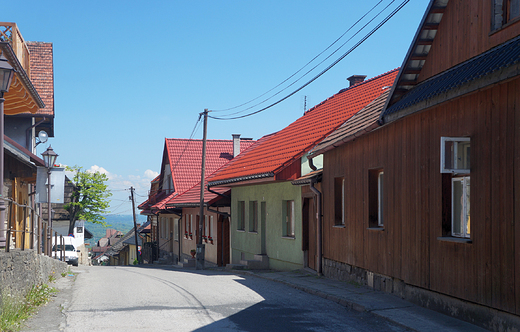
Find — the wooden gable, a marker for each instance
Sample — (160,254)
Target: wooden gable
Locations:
(466,30)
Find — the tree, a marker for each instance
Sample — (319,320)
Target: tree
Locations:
(89,199)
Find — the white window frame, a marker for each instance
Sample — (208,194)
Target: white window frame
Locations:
(466,203)
(456,141)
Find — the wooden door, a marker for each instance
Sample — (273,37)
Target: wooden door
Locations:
(309,242)
(223,241)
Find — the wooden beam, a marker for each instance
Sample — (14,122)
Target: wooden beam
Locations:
(430,26)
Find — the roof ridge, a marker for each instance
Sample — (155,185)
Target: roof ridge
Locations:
(352,87)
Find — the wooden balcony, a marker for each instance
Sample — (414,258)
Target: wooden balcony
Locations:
(9,33)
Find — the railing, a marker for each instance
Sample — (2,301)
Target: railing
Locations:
(9,32)
(38,232)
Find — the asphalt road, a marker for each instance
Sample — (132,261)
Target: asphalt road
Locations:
(104,298)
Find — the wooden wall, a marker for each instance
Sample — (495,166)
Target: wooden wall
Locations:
(464,32)
(409,152)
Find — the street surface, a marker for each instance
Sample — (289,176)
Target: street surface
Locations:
(144,298)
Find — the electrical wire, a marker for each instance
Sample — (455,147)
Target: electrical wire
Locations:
(197,124)
(395,11)
(321,62)
(308,63)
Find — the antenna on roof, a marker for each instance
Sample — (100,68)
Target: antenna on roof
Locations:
(304,104)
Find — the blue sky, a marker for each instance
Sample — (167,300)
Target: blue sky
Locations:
(130,73)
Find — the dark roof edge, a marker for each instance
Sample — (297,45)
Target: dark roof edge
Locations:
(11,56)
(408,54)
(241,178)
(466,88)
(346,139)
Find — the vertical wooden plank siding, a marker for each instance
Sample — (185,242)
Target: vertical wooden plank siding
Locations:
(514,103)
(464,32)
(484,271)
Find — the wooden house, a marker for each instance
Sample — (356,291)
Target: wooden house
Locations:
(399,211)
(28,108)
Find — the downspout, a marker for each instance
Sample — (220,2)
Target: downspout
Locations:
(208,207)
(311,164)
(318,221)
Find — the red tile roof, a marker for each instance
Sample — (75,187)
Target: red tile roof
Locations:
(281,149)
(192,196)
(42,74)
(185,158)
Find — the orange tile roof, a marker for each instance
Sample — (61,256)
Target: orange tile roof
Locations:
(274,153)
(42,74)
(192,196)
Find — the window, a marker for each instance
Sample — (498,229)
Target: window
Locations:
(208,229)
(504,11)
(241,214)
(253,216)
(176,229)
(455,155)
(163,227)
(186,225)
(79,229)
(192,227)
(288,216)
(339,201)
(455,187)
(376,198)
(460,216)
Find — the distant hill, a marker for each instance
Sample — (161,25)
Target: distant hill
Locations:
(121,223)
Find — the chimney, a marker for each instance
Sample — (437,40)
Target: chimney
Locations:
(355,79)
(236,145)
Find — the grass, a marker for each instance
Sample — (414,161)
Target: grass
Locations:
(14,310)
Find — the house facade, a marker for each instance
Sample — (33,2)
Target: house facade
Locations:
(28,107)
(266,209)
(180,173)
(427,202)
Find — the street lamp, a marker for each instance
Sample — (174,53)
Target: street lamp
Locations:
(6,76)
(49,157)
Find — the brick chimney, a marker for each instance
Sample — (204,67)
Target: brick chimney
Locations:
(236,145)
(355,79)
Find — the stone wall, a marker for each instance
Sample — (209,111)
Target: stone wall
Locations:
(479,315)
(20,270)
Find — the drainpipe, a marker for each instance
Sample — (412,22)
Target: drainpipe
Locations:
(318,222)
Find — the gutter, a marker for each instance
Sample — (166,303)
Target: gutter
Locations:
(241,178)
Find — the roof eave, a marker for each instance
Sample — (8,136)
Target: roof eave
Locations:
(499,76)
(8,52)
(240,179)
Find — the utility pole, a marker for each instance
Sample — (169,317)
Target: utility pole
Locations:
(200,246)
(135,224)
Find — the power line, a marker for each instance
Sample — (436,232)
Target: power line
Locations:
(321,62)
(395,11)
(197,124)
(308,63)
